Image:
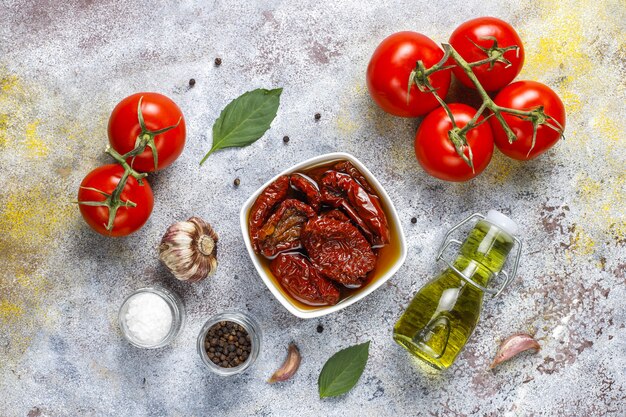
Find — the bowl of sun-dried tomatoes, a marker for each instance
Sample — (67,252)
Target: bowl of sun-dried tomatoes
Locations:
(323,234)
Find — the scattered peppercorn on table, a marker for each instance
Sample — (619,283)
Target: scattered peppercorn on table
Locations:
(66,348)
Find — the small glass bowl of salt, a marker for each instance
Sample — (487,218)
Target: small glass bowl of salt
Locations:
(151,317)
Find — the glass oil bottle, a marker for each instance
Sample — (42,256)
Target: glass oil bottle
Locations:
(443,314)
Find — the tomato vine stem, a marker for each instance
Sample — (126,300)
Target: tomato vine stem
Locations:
(458,136)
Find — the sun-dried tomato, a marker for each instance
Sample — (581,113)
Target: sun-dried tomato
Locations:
(309,188)
(341,190)
(347,168)
(262,208)
(336,214)
(282,230)
(338,250)
(302,281)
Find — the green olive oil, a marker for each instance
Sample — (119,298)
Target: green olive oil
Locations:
(443,314)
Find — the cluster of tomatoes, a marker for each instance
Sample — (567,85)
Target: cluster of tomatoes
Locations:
(146,133)
(492,50)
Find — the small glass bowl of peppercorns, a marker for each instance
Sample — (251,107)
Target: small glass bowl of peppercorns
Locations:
(229,343)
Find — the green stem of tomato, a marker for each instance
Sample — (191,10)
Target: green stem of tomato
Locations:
(121,159)
(488,103)
(439,66)
(458,136)
(142,141)
(115,200)
(472,122)
(419,77)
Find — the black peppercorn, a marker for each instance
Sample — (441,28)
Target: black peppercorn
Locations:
(320,328)
(237,182)
(414,220)
(286,139)
(227,344)
(318,116)
(192,82)
(218,62)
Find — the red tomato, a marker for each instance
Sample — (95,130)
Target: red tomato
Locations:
(127,219)
(436,153)
(158,112)
(527,95)
(479,31)
(389,70)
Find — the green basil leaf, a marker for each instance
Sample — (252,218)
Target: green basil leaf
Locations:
(245,119)
(342,371)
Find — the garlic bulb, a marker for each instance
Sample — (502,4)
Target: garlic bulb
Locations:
(189,250)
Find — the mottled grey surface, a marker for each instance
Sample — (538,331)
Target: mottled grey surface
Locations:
(64,66)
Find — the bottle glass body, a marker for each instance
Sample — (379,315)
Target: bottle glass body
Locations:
(443,314)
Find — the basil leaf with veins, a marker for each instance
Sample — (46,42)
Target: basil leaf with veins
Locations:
(245,119)
(343,370)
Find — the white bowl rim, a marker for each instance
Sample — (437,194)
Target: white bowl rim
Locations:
(322,311)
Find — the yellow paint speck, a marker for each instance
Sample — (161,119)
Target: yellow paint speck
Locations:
(581,244)
(571,99)
(8,82)
(4,124)
(608,127)
(501,168)
(345,125)
(9,312)
(602,204)
(36,147)
(32,216)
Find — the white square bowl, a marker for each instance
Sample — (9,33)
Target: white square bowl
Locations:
(395,232)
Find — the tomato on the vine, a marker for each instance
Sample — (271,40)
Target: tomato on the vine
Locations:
(127,219)
(389,70)
(159,112)
(474,41)
(528,95)
(436,153)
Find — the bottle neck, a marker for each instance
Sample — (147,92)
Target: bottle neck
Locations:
(484,252)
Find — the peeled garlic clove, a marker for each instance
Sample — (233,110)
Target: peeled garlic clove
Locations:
(513,345)
(189,250)
(289,367)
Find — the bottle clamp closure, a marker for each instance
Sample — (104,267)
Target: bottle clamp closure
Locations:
(507,277)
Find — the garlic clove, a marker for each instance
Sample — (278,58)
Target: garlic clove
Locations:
(189,250)
(289,367)
(513,345)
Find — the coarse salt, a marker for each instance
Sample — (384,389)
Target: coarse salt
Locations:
(148,318)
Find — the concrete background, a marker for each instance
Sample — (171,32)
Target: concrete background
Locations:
(63,67)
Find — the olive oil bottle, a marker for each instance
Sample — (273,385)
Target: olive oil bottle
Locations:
(443,314)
